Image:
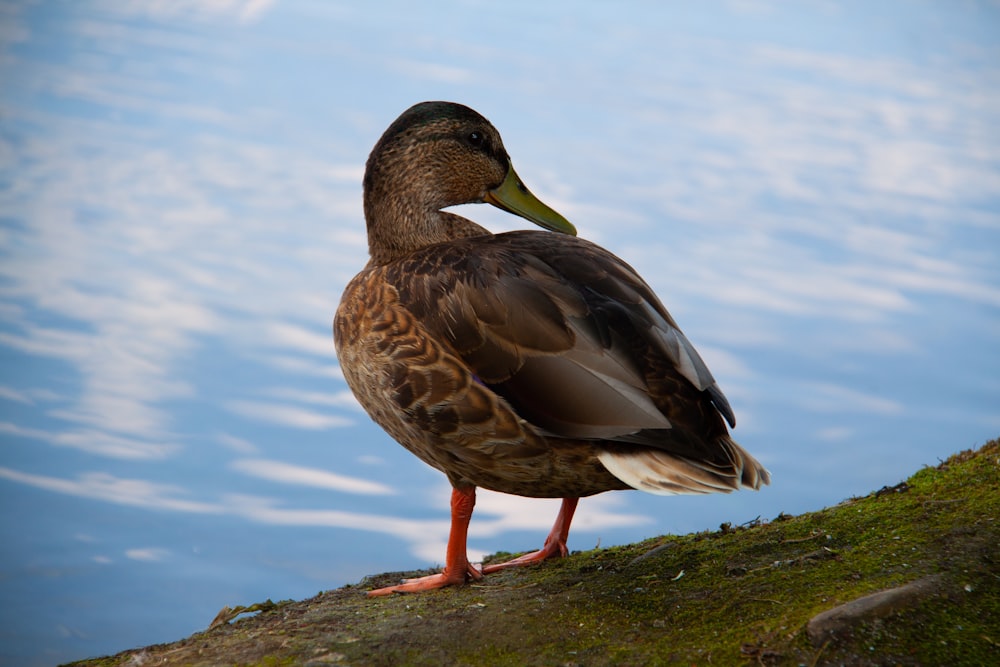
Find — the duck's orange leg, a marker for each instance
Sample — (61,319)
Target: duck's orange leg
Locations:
(555,543)
(457,568)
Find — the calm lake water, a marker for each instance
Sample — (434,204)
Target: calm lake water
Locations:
(814,191)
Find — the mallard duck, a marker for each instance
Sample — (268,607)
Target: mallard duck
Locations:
(533,363)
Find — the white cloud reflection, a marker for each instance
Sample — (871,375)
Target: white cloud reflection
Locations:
(245,11)
(495,513)
(147,554)
(96,442)
(121,491)
(286,415)
(278,471)
(825,397)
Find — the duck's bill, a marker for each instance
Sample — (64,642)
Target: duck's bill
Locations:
(513,197)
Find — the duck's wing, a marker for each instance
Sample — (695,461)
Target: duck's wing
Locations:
(567,333)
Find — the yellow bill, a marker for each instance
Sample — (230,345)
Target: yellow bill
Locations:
(512,196)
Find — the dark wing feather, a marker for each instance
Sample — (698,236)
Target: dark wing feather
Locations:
(568,333)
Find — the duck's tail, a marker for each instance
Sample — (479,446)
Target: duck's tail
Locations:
(658,471)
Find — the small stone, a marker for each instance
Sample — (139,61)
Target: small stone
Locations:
(832,622)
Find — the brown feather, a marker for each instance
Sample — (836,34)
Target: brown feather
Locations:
(528,362)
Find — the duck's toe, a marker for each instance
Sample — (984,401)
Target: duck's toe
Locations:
(432,581)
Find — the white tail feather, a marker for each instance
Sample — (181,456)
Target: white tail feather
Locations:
(656,471)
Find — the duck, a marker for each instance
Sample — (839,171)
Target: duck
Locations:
(531,362)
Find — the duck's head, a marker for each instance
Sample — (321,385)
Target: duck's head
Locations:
(440,154)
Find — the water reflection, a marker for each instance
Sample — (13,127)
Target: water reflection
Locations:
(811,192)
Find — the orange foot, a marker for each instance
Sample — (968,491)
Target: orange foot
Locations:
(458,569)
(555,543)
(431,581)
(550,550)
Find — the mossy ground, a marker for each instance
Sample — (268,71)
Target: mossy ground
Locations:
(740,595)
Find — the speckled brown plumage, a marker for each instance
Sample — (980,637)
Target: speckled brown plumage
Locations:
(530,362)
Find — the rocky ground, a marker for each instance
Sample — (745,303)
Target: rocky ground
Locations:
(908,575)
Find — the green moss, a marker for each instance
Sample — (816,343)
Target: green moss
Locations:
(274,661)
(733,596)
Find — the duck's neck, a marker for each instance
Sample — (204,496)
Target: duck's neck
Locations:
(394,232)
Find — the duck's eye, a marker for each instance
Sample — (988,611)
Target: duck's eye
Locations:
(476,139)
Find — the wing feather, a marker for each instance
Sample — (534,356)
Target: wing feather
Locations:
(565,331)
